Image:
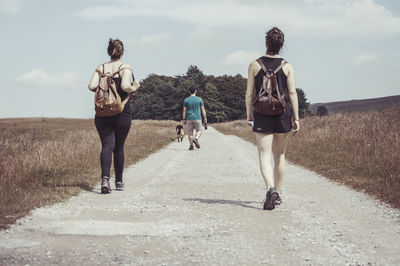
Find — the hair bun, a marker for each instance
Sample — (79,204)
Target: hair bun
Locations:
(115,48)
(275,39)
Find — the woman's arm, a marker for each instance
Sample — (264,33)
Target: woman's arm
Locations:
(250,91)
(94,81)
(293,97)
(127,84)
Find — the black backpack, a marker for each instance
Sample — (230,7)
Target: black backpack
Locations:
(269,100)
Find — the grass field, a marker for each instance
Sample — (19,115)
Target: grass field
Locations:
(363,105)
(43,161)
(359,149)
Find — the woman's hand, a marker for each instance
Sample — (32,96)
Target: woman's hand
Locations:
(295,126)
(135,85)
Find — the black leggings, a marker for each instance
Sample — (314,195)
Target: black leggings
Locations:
(113,132)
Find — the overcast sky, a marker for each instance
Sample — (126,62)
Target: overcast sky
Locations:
(340,49)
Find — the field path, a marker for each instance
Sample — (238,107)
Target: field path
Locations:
(203,207)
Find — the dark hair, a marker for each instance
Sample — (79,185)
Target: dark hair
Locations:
(115,48)
(192,90)
(275,39)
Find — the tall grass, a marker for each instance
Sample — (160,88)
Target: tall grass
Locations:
(360,149)
(47,160)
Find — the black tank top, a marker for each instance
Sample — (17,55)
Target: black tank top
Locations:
(123,95)
(273,63)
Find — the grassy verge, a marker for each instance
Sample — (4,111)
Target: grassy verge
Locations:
(360,150)
(43,161)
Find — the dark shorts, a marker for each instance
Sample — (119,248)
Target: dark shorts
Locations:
(272,123)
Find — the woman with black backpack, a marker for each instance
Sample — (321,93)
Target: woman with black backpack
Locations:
(272,112)
(113,83)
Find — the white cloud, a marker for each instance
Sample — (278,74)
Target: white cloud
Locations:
(327,18)
(365,59)
(38,79)
(239,58)
(147,42)
(154,39)
(106,12)
(205,36)
(10,6)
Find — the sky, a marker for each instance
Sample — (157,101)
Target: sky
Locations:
(340,49)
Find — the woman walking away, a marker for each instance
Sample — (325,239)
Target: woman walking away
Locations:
(271,124)
(113,126)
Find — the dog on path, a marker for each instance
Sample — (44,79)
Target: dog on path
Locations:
(180,133)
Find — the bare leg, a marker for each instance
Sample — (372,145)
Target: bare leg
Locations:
(190,137)
(198,133)
(264,144)
(278,150)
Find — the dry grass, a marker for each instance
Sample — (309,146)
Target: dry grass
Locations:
(47,160)
(359,149)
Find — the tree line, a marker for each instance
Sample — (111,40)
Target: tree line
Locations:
(161,97)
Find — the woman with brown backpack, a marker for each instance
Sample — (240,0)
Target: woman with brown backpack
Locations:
(113,84)
(272,112)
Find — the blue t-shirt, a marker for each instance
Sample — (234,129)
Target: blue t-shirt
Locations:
(193,104)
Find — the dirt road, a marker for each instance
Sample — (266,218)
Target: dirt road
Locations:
(203,207)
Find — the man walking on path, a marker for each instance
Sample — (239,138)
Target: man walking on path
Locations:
(193,110)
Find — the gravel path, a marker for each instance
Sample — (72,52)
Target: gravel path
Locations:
(203,207)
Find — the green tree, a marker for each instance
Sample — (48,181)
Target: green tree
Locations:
(322,110)
(154,98)
(303,104)
(196,76)
(161,97)
(232,91)
(216,111)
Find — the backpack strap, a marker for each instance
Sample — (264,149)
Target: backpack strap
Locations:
(262,65)
(101,74)
(120,68)
(283,63)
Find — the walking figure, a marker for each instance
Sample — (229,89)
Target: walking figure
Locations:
(114,129)
(272,131)
(193,111)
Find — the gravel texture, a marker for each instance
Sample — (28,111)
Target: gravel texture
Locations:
(204,207)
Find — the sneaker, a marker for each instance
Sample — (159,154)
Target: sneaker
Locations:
(271,197)
(105,185)
(278,201)
(191,148)
(119,185)
(196,142)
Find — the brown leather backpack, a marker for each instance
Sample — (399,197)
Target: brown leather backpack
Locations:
(106,99)
(269,100)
